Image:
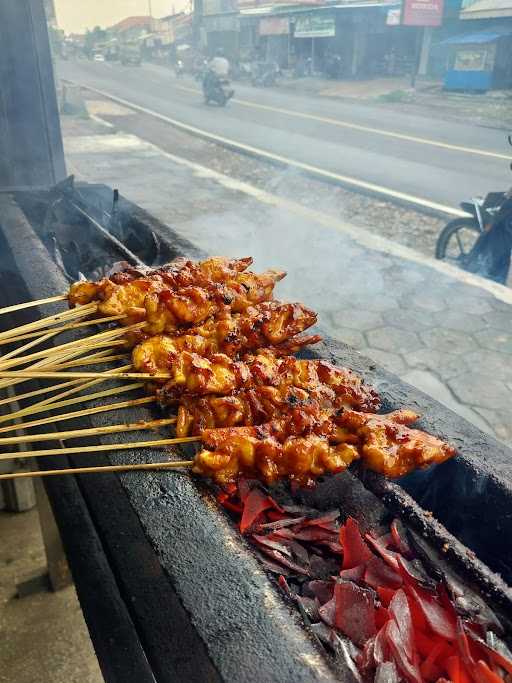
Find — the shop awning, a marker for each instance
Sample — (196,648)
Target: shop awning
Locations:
(476,38)
(487,9)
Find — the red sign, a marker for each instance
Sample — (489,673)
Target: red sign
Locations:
(422,13)
(274,26)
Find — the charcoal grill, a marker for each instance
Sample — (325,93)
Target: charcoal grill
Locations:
(169,589)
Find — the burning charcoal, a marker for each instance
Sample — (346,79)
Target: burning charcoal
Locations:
(273,566)
(323,590)
(400,612)
(345,654)
(265,541)
(300,553)
(279,557)
(379,574)
(254,505)
(387,673)
(280,523)
(399,534)
(415,571)
(355,611)
(355,550)
(328,612)
(396,645)
(322,568)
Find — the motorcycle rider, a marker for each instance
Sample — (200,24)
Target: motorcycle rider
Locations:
(217,76)
(219,65)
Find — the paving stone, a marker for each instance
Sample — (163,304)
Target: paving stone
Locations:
(357,319)
(459,320)
(351,337)
(500,320)
(442,363)
(409,319)
(499,305)
(446,340)
(490,363)
(469,304)
(476,389)
(374,302)
(426,302)
(433,386)
(393,339)
(495,340)
(501,423)
(391,361)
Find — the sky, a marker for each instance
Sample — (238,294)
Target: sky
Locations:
(75,16)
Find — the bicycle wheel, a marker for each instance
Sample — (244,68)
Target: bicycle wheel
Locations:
(456,240)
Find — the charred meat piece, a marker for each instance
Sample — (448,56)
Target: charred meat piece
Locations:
(269,453)
(389,446)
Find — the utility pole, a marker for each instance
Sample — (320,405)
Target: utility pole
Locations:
(150,12)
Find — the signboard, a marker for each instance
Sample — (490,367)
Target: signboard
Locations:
(274,26)
(422,13)
(393,18)
(319,25)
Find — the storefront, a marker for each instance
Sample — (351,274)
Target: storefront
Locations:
(314,33)
(274,43)
(479,61)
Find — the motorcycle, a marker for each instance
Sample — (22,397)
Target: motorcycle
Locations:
(216,89)
(264,73)
(481,242)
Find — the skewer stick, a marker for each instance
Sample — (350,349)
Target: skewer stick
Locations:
(70,314)
(95,360)
(93,431)
(30,304)
(90,341)
(91,450)
(62,328)
(97,357)
(150,466)
(52,363)
(44,406)
(57,399)
(80,413)
(35,374)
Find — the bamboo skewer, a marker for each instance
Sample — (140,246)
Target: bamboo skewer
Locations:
(93,361)
(44,406)
(91,450)
(150,466)
(57,399)
(62,328)
(35,374)
(79,413)
(91,341)
(97,358)
(53,363)
(93,431)
(78,312)
(30,304)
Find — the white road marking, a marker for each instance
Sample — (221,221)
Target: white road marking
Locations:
(361,236)
(365,129)
(314,170)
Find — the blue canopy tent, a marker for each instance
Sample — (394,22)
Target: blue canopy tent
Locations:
(479,61)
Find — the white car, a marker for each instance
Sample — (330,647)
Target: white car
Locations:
(99,58)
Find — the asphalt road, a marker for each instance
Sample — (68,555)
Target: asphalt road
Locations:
(430,159)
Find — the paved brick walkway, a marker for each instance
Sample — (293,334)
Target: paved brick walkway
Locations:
(450,338)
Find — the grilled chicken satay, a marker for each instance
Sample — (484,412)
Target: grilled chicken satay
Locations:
(388,445)
(193,374)
(270,452)
(256,406)
(262,325)
(179,273)
(169,309)
(187,294)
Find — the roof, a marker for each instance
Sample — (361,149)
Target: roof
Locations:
(477,38)
(272,10)
(131,22)
(487,9)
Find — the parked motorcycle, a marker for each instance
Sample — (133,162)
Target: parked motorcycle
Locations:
(481,242)
(216,89)
(264,73)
